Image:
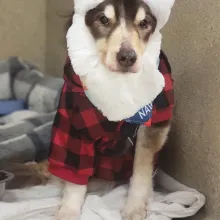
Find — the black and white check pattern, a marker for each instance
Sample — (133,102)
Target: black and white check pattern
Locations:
(25,135)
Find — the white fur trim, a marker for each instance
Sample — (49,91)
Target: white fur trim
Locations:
(81,54)
(161,10)
(117,96)
(82,6)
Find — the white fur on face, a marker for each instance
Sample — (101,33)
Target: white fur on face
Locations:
(141,14)
(109,12)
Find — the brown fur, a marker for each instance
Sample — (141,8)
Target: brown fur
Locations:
(26,175)
(149,141)
(123,30)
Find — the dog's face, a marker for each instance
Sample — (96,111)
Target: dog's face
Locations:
(121,30)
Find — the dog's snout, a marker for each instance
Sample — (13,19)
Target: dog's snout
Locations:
(126,57)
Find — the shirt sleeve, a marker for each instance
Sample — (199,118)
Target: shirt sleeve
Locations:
(164,103)
(72,153)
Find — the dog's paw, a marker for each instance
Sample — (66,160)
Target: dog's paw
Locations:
(67,213)
(134,212)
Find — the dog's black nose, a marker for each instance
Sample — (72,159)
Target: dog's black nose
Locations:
(126,57)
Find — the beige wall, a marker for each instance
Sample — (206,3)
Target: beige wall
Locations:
(23,30)
(192,41)
(58,14)
(35,30)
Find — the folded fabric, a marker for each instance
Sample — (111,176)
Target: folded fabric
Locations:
(171,200)
(22,80)
(44,96)
(26,139)
(25,135)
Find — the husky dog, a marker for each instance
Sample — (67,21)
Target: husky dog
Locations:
(115,68)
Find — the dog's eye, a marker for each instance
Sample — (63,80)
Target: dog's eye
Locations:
(104,20)
(143,24)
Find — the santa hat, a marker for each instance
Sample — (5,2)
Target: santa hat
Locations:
(160,8)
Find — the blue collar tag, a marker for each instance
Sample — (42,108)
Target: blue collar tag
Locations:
(143,116)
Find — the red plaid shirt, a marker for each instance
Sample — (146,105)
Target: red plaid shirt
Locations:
(85,144)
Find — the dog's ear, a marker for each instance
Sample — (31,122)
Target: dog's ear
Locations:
(82,6)
(161,9)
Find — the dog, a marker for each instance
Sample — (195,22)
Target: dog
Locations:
(113,47)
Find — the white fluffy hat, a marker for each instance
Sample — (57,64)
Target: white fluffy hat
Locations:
(160,8)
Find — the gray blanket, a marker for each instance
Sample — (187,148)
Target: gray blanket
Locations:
(25,135)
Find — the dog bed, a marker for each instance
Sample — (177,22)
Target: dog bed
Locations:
(25,136)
